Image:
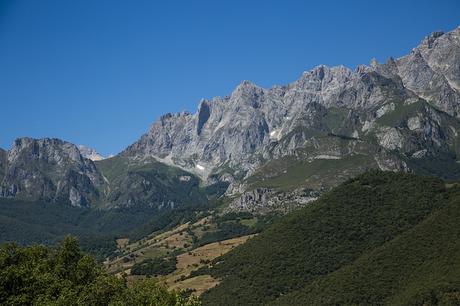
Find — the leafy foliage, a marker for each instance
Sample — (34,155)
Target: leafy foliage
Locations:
(226,230)
(443,165)
(232,225)
(2,163)
(155,266)
(355,218)
(38,275)
(419,267)
(147,292)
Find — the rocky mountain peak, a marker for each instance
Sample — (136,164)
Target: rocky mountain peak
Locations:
(374,63)
(430,39)
(246,93)
(90,153)
(246,85)
(203,115)
(49,169)
(255,121)
(431,70)
(320,77)
(49,149)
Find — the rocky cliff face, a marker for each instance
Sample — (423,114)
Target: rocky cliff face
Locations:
(405,108)
(51,170)
(432,71)
(90,153)
(264,200)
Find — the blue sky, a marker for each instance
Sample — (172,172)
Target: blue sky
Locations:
(100,72)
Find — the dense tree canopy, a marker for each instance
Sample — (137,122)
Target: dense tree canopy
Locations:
(379,239)
(38,275)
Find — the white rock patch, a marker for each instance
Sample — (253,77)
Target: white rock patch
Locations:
(385,109)
(390,138)
(275,134)
(367,126)
(420,154)
(414,123)
(411,101)
(324,156)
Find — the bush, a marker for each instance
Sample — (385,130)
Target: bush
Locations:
(155,267)
(38,275)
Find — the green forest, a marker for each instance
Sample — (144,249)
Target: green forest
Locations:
(379,239)
(38,275)
(47,223)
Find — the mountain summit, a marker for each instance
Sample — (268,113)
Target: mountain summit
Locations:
(407,108)
(90,153)
(51,170)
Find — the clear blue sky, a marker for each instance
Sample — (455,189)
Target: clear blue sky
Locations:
(100,72)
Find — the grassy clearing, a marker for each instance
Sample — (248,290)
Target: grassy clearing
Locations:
(313,174)
(122,243)
(197,258)
(249,222)
(156,246)
(190,260)
(400,114)
(181,240)
(180,243)
(198,284)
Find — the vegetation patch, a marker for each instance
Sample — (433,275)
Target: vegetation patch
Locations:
(443,165)
(289,173)
(419,267)
(154,266)
(38,275)
(401,113)
(199,258)
(359,216)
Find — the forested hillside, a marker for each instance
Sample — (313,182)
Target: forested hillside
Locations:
(419,267)
(381,238)
(36,222)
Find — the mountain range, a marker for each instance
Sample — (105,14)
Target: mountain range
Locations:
(301,138)
(264,197)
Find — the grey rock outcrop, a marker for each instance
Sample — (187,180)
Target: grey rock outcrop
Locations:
(264,200)
(432,71)
(51,170)
(90,153)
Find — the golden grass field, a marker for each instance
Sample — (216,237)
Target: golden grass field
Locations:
(163,244)
(195,259)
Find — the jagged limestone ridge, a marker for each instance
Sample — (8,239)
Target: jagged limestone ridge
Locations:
(253,124)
